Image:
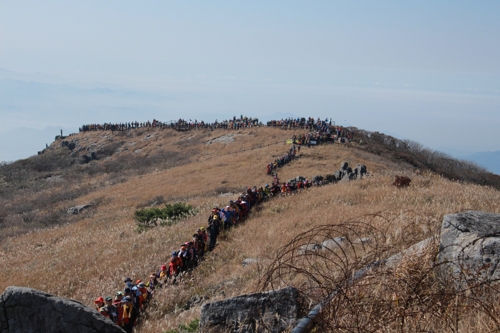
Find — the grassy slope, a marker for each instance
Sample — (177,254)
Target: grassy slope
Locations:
(91,257)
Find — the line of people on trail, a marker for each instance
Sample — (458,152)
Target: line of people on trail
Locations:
(324,133)
(235,123)
(125,308)
(127,305)
(289,187)
(283,160)
(299,123)
(124,126)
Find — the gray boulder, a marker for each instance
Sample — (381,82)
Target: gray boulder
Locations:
(360,170)
(364,240)
(249,261)
(332,244)
(346,178)
(273,311)
(71,145)
(309,248)
(414,250)
(29,310)
(77,209)
(339,174)
(469,248)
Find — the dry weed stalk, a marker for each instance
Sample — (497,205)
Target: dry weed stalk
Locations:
(366,296)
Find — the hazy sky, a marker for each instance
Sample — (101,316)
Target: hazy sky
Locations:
(423,70)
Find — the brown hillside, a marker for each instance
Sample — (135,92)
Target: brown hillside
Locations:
(88,255)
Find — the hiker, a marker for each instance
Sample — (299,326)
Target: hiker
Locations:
(112,311)
(99,303)
(174,266)
(128,282)
(236,211)
(205,239)
(196,242)
(119,308)
(135,304)
(128,308)
(144,297)
(227,216)
(153,282)
(184,257)
(283,189)
(193,256)
(201,240)
(267,191)
(213,228)
(163,274)
(104,311)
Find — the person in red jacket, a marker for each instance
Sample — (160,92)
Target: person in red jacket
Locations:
(119,308)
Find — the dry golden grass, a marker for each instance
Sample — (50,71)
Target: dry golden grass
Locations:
(91,257)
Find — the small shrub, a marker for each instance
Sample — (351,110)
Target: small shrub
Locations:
(149,217)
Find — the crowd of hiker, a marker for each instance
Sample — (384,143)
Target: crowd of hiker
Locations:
(285,159)
(180,125)
(300,123)
(126,306)
(319,130)
(124,126)
(235,123)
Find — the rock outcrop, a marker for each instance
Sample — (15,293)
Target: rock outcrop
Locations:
(469,247)
(77,209)
(414,250)
(272,311)
(346,173)
(28,310)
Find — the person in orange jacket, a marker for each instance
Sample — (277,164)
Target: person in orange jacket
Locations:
(144,295)
(174,266)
